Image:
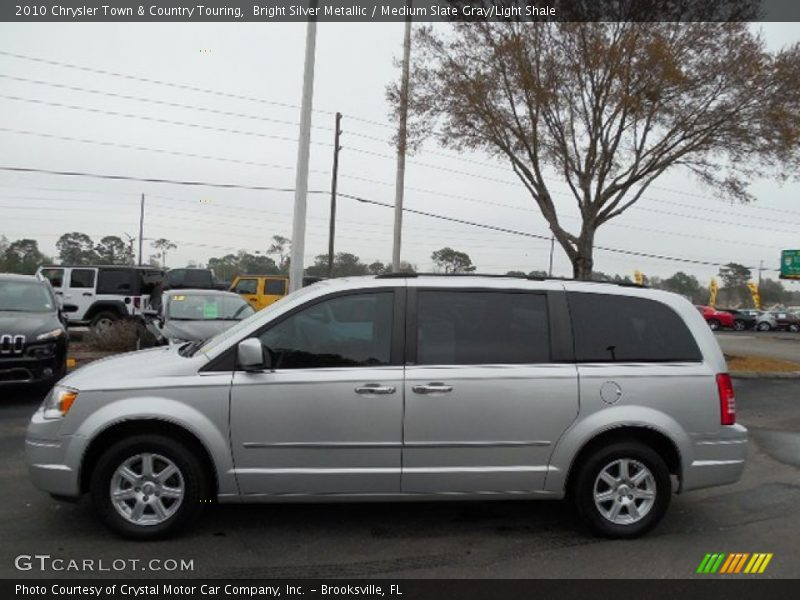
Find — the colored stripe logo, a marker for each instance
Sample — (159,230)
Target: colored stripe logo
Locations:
(734,563)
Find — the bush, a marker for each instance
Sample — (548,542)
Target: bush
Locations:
(121,336)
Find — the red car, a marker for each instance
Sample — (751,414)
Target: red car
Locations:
(716,319)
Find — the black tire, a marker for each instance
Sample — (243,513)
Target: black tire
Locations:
(194,479)
(714,324)
(589,472)
(739,325)
(763,326)
(103,319)
(794,328)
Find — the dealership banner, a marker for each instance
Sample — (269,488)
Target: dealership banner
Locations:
(397,589)
(266,11)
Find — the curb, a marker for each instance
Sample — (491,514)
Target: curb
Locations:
(765,375)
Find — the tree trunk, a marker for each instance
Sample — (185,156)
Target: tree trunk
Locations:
(583,263)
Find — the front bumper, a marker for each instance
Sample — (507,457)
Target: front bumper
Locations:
(717,460)
(40,363)
(53,460)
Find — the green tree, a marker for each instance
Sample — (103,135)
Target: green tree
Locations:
(516,274)
(254,264)
(344,265)
(610,107)
(23,256)
(113,251)
(452,261)
(76,248)
(162,246)
(686,285)
(282,247)
(734,280)
(772,292)
(225,267)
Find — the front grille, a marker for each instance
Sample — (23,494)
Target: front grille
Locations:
(12,344)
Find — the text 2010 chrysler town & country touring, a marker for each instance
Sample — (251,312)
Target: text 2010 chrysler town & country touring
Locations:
(412,387)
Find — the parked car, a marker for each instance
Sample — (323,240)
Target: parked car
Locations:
(741,320)
(262,290)
(786,320)
(716,319)
(193,278)
(405,388)
(764,320)
(33,333)
(101,295)
(193,315)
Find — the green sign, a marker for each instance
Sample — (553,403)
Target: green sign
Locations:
(790,264)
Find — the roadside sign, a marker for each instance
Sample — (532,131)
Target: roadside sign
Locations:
(790,264)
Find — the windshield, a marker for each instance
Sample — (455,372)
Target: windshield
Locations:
(25,296)
(247,323)
(207,307)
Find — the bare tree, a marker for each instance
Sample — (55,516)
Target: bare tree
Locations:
(608,108)
(163,246)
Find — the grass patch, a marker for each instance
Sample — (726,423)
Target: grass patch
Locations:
(760,364)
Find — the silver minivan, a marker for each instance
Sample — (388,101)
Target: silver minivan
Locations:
(405,388)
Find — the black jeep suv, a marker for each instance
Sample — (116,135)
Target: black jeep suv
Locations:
(33,334)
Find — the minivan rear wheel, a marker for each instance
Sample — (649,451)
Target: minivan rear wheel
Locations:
(148,487)
(622,490)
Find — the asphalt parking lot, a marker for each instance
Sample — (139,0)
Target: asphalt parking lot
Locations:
(484,539)
(781,345)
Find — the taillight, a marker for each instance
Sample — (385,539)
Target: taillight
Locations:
(727,400)
(137,302)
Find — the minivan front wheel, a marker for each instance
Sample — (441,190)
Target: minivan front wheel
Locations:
(147,487)
(623,490)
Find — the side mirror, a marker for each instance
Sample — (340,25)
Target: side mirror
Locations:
(251,355)
(69,308)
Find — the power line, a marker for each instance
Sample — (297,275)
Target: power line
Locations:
(114,113)
(260,188)
(180,86)
(226,113)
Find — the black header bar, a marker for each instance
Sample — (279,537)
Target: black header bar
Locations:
(332,11)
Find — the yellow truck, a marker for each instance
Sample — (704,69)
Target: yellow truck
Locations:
(262,290)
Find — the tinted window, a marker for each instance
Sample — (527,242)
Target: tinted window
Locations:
(110,281)
(611,328)
(81,278)
(175,277)
(246,286)
(56,276)
(465,328)
(197,277)
(274,287)
(349,331)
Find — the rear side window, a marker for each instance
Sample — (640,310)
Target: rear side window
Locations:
(274,287)
(55,276)
(110,281)
(197,277)
(611,328)
(469,328)
(81,278)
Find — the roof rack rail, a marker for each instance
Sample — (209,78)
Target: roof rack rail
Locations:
(400,275)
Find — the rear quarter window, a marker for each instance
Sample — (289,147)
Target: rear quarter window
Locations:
(612,328)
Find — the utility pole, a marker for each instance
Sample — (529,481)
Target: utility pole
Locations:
(141,229)
(399,185)
(303,150)
(552,247)
(760,268)
(334,177)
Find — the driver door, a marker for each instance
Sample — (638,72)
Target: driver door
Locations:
(327,419)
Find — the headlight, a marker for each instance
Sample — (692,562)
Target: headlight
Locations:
(58,402)
(50,335)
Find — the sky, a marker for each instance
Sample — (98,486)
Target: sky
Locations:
(100,116)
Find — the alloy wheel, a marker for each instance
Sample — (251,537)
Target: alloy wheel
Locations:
(147,489)
(624,491)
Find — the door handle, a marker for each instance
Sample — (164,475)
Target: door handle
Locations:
(374,388)
(432,388)
(87,293)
